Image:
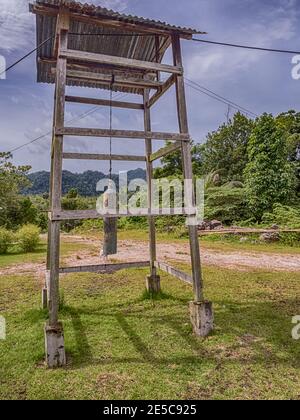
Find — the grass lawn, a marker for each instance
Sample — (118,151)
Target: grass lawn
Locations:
(123,345)
(39,256)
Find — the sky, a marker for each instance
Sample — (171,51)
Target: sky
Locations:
(258,81)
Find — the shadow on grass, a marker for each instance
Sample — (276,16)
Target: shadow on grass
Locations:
(266,327)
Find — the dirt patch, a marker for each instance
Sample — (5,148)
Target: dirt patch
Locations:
(237,260)
(129,251)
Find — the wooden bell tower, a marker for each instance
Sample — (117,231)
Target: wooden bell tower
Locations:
(91,46)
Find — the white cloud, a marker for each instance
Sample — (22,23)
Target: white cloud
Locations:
(279,24)
(16,25)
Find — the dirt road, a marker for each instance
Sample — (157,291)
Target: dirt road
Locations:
(138,251)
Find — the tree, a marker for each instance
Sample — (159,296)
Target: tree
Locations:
(291,122)
(225,150)
(269,175)
(171,165)
(12,180)
(73,193)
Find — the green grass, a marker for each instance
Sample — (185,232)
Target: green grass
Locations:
(39,256)
(121,344)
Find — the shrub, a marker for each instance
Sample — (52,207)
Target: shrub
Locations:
(284,216)
(28,238)
(6,239)
(226,204)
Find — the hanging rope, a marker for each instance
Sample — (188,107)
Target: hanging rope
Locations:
(110,124)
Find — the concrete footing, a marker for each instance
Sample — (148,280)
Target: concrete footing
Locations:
(55,346)
(202,318)
(153,284)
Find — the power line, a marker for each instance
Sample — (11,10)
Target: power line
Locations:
(78,118)
(216,96)
(25,56)
(248,47)
(217,99)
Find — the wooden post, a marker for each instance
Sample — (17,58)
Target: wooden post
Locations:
(152,281)
(55,354)
(46,289)
(188,175)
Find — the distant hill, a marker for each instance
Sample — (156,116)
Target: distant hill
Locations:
(84,182)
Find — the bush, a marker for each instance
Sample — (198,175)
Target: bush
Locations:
(28,238)
(284,216)
(226,204)
(6,239)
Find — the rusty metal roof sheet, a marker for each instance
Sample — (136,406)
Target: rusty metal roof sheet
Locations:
(135,46)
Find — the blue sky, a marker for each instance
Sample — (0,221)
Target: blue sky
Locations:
(259,81)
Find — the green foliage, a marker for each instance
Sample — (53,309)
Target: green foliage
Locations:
(291,121)
(269,175)
(229,205)
(225,150)
(283,216)
(13,208)
(6,240)
(171,165)
(28,238)
(85,183)
(72,201)
(73,193)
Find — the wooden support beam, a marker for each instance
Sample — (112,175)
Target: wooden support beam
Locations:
(151,219)
(89,156)
(89,77)
(62,24)
(56,178)
(93,214)
(122,134)
(188,172)
(165,151)
(104,268)
(119,61)
(104,102)
(99,68)
(166,86)
(174,272)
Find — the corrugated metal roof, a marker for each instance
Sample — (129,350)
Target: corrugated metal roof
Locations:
(136,47)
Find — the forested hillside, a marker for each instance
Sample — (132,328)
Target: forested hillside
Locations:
(85,183)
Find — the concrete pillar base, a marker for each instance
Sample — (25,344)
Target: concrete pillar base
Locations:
(153,284)
(55,346)
(202,318)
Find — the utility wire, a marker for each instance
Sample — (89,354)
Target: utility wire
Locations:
(219,100)
(144,35)
(248,47)
(25,56)
(216,96)
(78,118)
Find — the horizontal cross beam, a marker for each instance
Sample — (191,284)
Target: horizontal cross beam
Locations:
(107,80)
(174,272)
(90,156)
(103,102)
(104,268)
(63,215)
(122,134)
(120,61)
